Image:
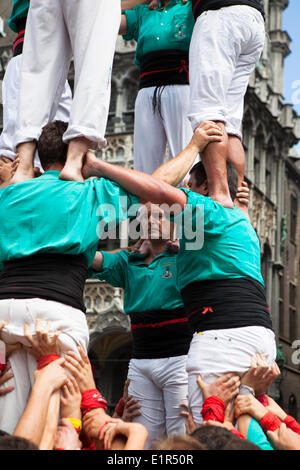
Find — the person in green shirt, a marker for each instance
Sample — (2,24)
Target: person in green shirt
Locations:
(160,332)
(50,230)
(219,273)
(163,37)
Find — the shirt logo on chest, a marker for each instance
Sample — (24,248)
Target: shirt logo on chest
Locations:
(180,33)
(167,274)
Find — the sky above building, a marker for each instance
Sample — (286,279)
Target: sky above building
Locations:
(290,24)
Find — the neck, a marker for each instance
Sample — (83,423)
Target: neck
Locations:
(54,166)
(156,247)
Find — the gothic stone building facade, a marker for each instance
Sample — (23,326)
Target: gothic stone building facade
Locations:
(270,130)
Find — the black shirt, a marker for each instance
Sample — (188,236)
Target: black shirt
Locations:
(56,277)
(226,303)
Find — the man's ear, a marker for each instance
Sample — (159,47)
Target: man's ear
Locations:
(205,188)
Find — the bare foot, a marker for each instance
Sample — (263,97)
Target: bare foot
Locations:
(77,150)
(22,175)
(225,201)
(71,173)
(23,164)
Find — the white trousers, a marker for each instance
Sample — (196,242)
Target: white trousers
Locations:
(10,97)
(55,31)
(225,46)
(217,352)
(152,131)
(74,332)
(159,385)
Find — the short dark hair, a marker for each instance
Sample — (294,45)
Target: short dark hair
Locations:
(16,443)
(199,172)
(219,438)
(179,442)
(50,145)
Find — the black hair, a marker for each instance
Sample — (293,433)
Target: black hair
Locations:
(199,173)
(50,145)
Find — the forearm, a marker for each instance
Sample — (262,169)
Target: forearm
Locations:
(48,437)
(130,4)
(174,170)
(137,437)
(32,423)
(142,185)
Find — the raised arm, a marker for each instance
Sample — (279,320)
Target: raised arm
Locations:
(142,185)
(157,188)
(123,30)
(130,4)
(175,169)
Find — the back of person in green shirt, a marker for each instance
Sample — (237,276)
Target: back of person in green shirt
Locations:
(161,334)
(218,270)
(49,235)
(163,37)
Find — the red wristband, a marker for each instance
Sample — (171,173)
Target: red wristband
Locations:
(119,409)
(292,424)
(270,422)
(92,399)
(43,361)
(263,399)
(237,433)
(2,367)
(213,409)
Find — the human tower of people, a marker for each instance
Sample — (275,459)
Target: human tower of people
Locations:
(204,350)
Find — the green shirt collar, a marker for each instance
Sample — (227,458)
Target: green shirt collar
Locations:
(138,257)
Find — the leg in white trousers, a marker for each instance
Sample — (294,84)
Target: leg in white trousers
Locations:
(74,332)
(152,131)
(159,385)
(217,352)
(10,96)
(56,30)
(225,46)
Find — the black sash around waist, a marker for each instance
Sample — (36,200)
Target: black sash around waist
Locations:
(226,303)
(18,42)
(166,67)
(160,333)
(199,6)
(49,276)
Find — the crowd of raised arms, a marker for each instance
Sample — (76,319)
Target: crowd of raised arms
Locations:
(203,346)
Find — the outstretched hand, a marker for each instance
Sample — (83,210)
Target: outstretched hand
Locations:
(80,367)
(225,387)
(41,344)
(258,373)
(206,132)
(66,436)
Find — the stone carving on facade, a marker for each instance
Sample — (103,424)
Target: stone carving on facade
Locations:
(119,150)
(104,307)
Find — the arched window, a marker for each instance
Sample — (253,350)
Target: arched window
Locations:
(130,85)
(265,263)
(112,109)
(293,218)
(110,356)
(292,407)
(259,144)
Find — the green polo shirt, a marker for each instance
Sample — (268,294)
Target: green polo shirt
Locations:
(225,245)
(146,287)
(48,215)
(166,28)
(19,10)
